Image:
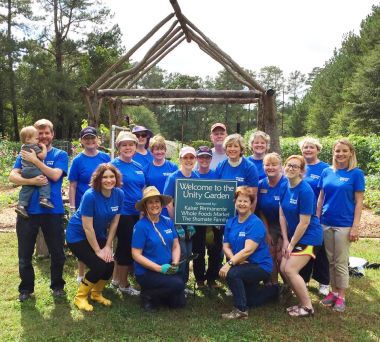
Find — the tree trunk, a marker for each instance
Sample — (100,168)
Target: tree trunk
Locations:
(12,83)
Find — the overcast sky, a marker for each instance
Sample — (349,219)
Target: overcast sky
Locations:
(292,34)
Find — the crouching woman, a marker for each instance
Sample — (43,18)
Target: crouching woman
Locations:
(249,259)
(156,251)
(86,233)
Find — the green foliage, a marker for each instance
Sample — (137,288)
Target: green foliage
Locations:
(8,153)
(48,319)
(372,193)
(197,143)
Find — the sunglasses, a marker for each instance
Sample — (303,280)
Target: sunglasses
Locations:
(141,135)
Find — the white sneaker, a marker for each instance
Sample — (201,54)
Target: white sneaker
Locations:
(114,284)
(323,290)
(188,291)
(79,279)
(229,293)
(130,290)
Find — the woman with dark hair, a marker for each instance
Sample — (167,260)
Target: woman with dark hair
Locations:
(340,205)
(86,233)
(142,155)
(81,169)
(301,232)
(249,260)
(156,251)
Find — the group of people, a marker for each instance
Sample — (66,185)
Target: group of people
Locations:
(295,219)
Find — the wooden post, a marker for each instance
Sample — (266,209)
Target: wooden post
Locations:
(270,121)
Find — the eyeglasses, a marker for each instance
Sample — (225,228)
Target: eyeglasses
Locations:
(141,135)
(293,166)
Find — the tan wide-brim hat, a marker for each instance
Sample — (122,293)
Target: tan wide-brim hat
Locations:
(149,192)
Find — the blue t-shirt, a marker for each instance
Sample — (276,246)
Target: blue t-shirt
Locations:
(209,175)
(143,160)
(312,175)
(157,175)
(268,199)
(56,159)
(339,195)
(146,238)
(259,163)
(169,188)
(297,201)
(81,171)
(252,228)
(133,184)
(245,173)
(102,209)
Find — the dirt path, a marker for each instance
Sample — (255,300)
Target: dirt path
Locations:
(369,225)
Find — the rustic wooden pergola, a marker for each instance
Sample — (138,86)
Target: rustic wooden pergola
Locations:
(117,85)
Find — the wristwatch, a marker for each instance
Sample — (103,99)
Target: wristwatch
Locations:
(229,262)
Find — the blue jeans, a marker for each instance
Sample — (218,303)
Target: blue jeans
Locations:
(243,281)
(27,230)
(27,190)
(186,250)
(162,288)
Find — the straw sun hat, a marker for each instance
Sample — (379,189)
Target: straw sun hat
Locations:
(149,192)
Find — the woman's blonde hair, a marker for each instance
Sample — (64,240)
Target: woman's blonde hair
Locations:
(156,142)
(260,134)
(312,141)
(234,138)
(352,162)
(273,156)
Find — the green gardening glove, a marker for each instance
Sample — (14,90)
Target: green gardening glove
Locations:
(165,268)
(190,231)
(180,232)
(172,270)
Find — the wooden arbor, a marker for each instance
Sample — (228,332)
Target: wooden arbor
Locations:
(117,85)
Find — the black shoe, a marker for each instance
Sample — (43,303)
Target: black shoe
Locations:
(23,296)
(20,210)
(59,293)
(44,202)
(147,304)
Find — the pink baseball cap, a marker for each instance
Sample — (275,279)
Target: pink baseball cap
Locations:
(187,150)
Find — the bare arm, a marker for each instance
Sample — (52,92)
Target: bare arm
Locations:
(88,227)
(354,231)
(16,178)
(320,203)
(176,252)
(227,250)
(239,258)
(52,173)
(284,231)
(72,192)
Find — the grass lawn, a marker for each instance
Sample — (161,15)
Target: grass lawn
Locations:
(43,319)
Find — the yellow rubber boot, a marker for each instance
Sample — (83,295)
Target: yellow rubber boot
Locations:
(96,293)
(81,298)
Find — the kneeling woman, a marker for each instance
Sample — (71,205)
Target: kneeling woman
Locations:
(249,259)
(156,251)
(86,233)
(301,232)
